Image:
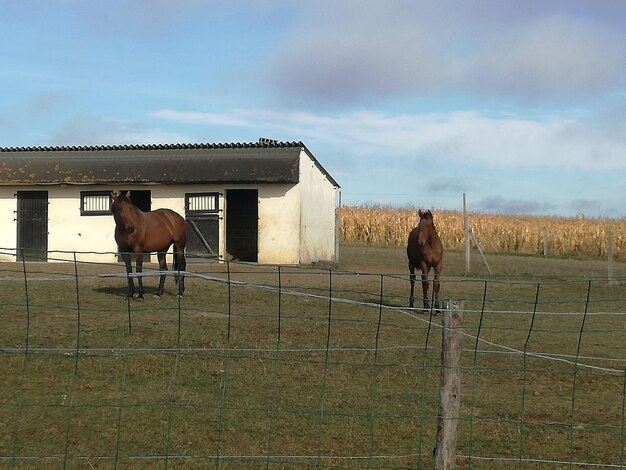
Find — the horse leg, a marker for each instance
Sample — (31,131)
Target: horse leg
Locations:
(436,286)
(162,269)
(425,287)
(175,264)
(181,265)
(139,271)
(412,282)
(129,272)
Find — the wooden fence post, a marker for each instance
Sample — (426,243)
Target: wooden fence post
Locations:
(449,385)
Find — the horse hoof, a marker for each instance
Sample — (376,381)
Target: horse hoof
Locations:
(180,296)
(156,296)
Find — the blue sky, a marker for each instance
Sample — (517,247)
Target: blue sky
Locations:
(519,104)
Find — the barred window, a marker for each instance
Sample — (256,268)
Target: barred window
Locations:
(95,203)
(202,202)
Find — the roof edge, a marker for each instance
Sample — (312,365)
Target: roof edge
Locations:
(320,167)
(178,146)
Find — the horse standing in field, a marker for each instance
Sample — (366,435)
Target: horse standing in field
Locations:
(140,232)
(424,250)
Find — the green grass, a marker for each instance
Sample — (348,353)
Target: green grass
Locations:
(225,377)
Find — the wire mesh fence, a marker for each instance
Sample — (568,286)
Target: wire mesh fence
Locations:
(287,367)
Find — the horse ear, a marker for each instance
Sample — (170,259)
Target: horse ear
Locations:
(113,195)
(419,213)
(128,194)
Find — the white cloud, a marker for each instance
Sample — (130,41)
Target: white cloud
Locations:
(461,137)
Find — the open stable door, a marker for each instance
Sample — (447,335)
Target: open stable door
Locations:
(242,224)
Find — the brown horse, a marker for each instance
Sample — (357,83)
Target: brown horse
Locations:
(145,232)
(425,251)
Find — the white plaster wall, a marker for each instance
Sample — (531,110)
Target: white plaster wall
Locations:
(279,224)
(68,231)
(317,221)
(290,218)
(173,197)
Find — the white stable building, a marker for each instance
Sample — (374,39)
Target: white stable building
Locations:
(267,202)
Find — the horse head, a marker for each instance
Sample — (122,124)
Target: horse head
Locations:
(118,200)
(121,208)
(425,226)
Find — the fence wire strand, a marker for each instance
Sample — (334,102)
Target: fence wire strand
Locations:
(273,366)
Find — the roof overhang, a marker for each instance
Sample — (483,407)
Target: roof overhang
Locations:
(160,164)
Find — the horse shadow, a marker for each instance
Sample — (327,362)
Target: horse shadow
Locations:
(398,304)
(122,291)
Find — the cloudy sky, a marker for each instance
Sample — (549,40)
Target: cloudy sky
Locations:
(521,105)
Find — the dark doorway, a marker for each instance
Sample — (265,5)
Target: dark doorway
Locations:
(242,224)
(141,198)
(32,225)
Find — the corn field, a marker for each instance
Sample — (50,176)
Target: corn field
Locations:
(578,236)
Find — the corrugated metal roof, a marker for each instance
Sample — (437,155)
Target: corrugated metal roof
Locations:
(263,162)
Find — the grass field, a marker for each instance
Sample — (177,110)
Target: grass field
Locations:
(268,372)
